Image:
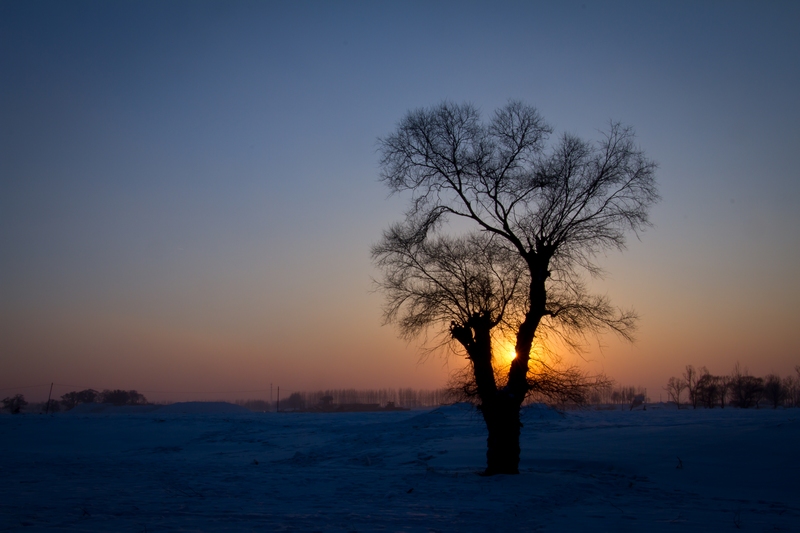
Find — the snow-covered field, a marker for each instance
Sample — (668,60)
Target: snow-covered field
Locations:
(191,469)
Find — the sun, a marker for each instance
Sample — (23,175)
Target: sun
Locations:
(505,352)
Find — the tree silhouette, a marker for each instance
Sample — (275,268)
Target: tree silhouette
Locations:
(691,378)
(674,388)
(122,397)
(501,229)
(709,389)
(295,401)
(71,399)
(745,390)
(775,391)
(14,404)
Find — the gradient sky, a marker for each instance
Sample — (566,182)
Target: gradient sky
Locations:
(189,190)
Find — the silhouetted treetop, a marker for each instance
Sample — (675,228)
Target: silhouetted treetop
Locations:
(564,200)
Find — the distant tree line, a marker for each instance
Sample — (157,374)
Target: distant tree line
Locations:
(114,397)
(15,404)
(406,397)
(739,389)
(621,395)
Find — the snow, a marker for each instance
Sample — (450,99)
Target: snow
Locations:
(173,408)
(194,467)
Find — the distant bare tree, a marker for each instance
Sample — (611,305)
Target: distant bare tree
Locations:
(690,377)
(774,390)
(707,389)
(122,397)
(68,400)
(601,394)
(296,401)
(792,386)
(14,404)
(563,387)
(536,217)
(746,390)
(71,399)
(617,397)
(87,396)
(674,388)
(724,387)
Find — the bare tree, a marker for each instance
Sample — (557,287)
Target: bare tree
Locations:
(775,391)
(122,397)
(792,385)
(674,388)
(708,389)
(71,399)
(14,404)
(690,377)
(724,387)
(746,390)
(543,212)
(295,402)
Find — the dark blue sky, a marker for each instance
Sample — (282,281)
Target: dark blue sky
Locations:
(188,190)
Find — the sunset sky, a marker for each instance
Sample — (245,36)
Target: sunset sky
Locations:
(189,190)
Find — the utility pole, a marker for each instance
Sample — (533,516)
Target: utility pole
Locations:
(278,405)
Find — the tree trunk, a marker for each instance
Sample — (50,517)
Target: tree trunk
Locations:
(500,408)
(502,421)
